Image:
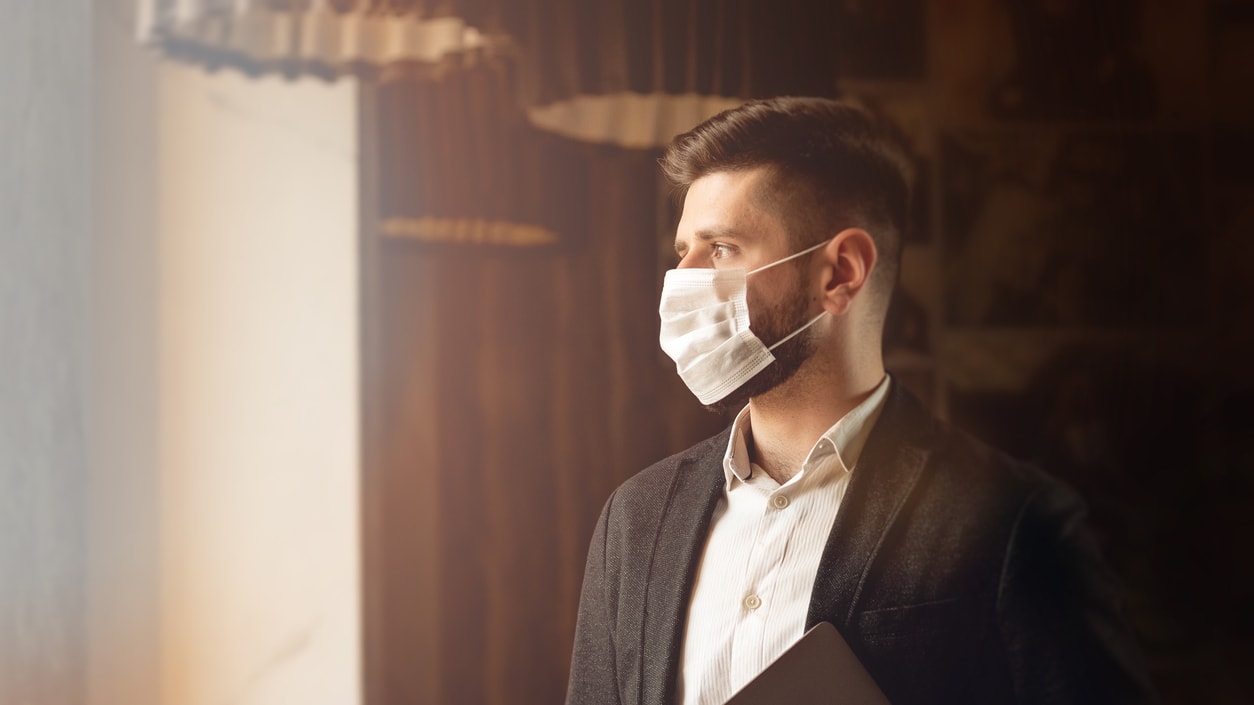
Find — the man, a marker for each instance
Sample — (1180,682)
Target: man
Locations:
(956,574)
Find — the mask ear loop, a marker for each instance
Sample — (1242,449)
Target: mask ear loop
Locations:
(806,251)
(812,321)
(790,336)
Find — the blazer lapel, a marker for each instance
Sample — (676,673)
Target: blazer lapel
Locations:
(677,547)
(891,464)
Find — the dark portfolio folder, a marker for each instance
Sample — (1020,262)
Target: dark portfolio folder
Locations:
(820,669)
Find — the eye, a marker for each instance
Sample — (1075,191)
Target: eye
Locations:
(721,251)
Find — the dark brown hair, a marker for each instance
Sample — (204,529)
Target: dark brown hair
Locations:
(835,165)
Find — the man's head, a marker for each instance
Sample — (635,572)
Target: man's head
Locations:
(829,166)
(775,178)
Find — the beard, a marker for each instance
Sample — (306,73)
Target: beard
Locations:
(771,326)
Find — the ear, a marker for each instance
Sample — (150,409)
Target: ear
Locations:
(849,259)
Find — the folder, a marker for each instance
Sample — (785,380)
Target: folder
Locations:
(820,669)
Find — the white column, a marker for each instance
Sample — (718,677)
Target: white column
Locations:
(258,390)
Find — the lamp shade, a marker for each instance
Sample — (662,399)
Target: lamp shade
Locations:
(634,73)
(326,38)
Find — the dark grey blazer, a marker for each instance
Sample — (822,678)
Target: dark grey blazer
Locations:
(956,574)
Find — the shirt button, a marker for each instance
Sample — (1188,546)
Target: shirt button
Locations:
(779,501)
(753,602)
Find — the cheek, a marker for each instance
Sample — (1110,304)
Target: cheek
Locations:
(780,306)
(764,300)
(756,303)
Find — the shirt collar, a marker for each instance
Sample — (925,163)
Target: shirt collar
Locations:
(845,438)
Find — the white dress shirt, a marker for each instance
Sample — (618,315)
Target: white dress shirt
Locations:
(753,584)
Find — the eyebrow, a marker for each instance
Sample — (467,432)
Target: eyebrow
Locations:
(707,234)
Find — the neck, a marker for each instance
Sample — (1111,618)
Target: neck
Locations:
(787,421)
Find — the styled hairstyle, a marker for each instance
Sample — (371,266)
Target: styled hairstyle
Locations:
(833,165)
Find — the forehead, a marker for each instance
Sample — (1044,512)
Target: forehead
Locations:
(730,202)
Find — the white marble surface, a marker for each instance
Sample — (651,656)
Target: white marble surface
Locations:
(258,390)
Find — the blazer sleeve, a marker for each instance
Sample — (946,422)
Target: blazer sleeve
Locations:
(593,674)
(1059,612)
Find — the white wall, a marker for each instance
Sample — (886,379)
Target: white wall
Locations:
(258,390)
(221,501)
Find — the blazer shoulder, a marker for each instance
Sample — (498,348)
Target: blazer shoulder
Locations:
(967,486)
(651,486)
(978,457)
(959,466)
(1023,482)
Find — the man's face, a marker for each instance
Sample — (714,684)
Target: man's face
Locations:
(726,224)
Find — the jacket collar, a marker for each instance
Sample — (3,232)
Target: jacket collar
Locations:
(896,454)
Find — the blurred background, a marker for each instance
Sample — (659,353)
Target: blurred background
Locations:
(327,326)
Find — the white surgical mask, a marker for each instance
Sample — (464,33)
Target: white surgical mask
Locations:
(705,329)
